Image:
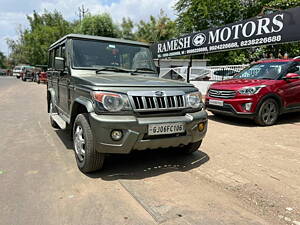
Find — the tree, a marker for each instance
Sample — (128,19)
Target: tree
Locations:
(32,45)
(162,28)
(197,15)
(99,25)
(2,60)
(127,27)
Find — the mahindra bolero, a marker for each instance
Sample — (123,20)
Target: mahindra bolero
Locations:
(107,93)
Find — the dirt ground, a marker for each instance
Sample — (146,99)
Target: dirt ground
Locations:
(242,174)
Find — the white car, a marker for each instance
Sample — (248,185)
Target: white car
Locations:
(18,70)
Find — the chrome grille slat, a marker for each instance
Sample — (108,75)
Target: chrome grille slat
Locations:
(150,102)
(155,102)
(221,93)
(175,101)
(166,102)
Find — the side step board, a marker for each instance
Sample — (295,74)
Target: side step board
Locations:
(60,122)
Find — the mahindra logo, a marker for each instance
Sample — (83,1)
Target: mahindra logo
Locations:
(159,93)
(199,39)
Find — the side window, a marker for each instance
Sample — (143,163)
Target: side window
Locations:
(50,60)
(298,66)
(56,52)
(63,51)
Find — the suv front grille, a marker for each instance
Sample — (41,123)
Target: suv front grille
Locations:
(221,93)
(149,102)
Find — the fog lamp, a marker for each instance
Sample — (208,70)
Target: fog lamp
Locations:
(201,126)
(116,135)
(247,106)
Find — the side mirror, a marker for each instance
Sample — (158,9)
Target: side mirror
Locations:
(59,64)
(292,76)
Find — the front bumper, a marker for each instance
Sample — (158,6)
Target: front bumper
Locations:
(135,132)
(233,107)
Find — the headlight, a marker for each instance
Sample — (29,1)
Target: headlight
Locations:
(112,102)
(194,100)
(251,90)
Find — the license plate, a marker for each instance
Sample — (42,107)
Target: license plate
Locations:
(216,102)
(166,128)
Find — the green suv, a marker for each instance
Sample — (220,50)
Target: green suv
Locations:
(107,93)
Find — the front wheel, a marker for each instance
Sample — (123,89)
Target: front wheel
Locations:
(191,147)
(268,113)
(87,157)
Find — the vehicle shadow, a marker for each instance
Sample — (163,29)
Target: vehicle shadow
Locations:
(149,163)
(142,164)
(65,137)
(288,118)
(241,122)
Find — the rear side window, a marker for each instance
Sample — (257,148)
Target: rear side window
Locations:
(298,66)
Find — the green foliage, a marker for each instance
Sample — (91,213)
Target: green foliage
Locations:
(127,27)
(33,43)
(2,60)
(197,15)
(99,25)
(162,28)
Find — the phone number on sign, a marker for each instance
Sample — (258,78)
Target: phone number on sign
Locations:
(259,41)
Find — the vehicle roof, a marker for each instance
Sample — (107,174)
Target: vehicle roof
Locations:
(99,38)
(278,60)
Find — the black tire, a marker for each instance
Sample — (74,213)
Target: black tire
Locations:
(23,79)
(268,113)
(90,160)
(52,122)
(191,147)
(38,81)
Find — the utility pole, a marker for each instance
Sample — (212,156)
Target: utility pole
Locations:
(82,12)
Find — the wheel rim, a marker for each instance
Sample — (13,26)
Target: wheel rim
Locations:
(269,113)
(79,143)
(51,108)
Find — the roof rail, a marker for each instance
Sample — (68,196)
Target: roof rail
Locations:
(298,57)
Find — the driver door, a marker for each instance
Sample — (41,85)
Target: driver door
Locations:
(291,90)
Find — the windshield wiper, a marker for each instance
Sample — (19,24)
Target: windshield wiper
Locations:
(112,68)
(142,70)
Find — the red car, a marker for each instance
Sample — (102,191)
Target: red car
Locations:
(262,92)
(43,77)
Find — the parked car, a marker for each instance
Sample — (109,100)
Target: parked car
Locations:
(3,72)
(41,74)
(19,71)
(28,73)
(223,74)
(261,92)
(108,93)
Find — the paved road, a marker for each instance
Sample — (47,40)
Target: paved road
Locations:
(243,174)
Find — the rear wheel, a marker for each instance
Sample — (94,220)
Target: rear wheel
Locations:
(87,158)
(268,113)
(191,147)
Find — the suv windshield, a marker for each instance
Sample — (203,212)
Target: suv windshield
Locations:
(98,55)
(271,71)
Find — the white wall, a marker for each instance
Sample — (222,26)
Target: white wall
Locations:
(202,85)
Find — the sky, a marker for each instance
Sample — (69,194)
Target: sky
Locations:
(13,12)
